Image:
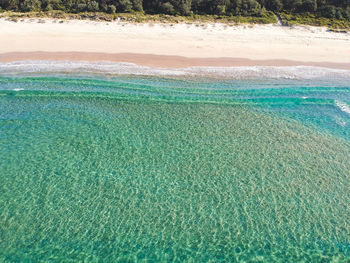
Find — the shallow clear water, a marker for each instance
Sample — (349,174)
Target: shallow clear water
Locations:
(108,169)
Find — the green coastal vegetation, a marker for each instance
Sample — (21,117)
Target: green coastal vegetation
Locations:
(331,13)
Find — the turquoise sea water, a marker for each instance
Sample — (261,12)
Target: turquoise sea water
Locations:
(108,168)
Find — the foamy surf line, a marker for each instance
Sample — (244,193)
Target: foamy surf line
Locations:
(123,68)
(343,106)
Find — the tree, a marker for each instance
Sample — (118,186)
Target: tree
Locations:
(168,8)
(111,9)
(292,4)
(124,5)
(9,4)
(309,6)
(184,6)
(347,13)
(92,6)
(137,5)
(327,8)
(81,6)
(31,5)
(274,5)
(328,11)
(222,7)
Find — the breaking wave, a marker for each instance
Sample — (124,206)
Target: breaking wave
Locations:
(342,106)
(249,72)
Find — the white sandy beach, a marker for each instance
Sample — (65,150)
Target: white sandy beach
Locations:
(259,42)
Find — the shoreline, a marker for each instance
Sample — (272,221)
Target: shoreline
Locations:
(173,45)
(160,61)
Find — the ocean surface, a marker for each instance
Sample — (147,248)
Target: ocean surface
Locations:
(106,162)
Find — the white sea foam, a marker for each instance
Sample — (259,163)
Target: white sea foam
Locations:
(342,106)
(251,72)
(341,122)
(18,89)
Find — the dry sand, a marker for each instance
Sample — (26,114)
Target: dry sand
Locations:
(177,45)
